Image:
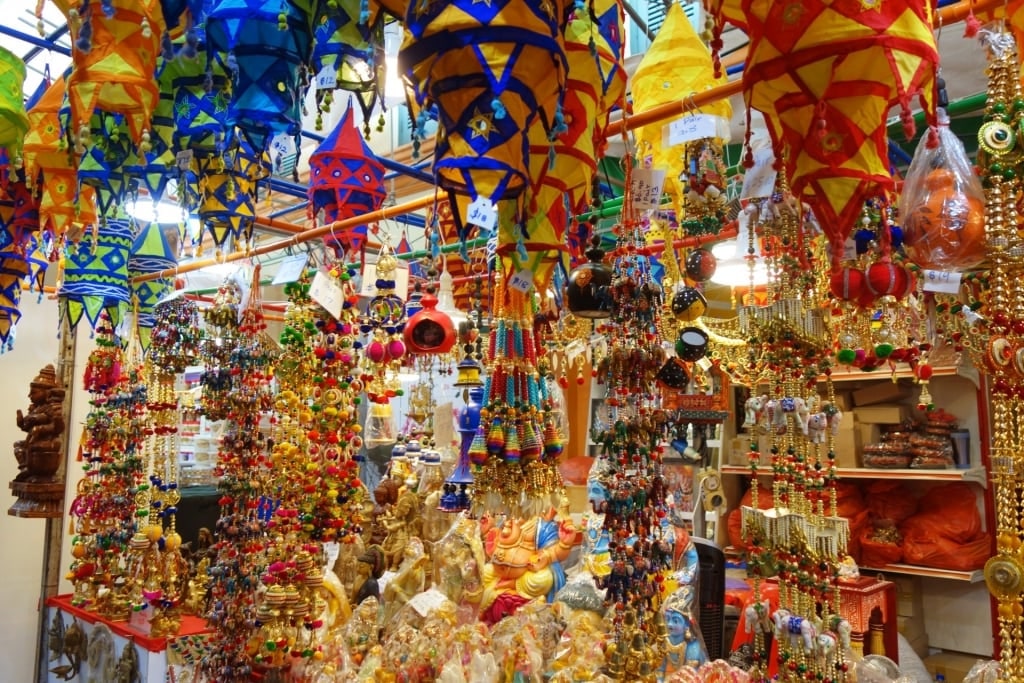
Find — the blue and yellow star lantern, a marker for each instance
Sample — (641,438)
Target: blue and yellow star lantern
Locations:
(151,252)
(96,275)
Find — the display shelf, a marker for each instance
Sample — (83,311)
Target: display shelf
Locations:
(974,576)
(975,474)
(903,371)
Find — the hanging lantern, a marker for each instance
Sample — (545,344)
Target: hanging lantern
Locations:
(468,375)
(115,49)
(96,275)
(345,179)
(22,217)
(39,253)
(200,93)
(13,119)
(263,44)
(348,54)
(228,206)
(491,69)
(814,73)
(151,252)
(105,163)
(13,270)
(676,64)
(429,330)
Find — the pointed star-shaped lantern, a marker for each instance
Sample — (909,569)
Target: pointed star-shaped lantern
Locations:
(228,193)
(151,252)
(345,179)
(13,270)
(96,274)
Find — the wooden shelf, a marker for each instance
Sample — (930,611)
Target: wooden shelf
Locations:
(975,474)
(975,576)
(903,371)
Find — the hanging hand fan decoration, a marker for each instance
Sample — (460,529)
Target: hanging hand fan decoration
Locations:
(263,44)
(151,252)
(96,275)
(491,69)
(13,118)
(64,208)
(676,65)
(345,180)
(817,70)
(348,54)
(115,49)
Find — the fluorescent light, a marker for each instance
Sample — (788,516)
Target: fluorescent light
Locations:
(146,211)
(736,273)
(394,90)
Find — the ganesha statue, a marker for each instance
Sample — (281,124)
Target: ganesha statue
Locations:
(526,564)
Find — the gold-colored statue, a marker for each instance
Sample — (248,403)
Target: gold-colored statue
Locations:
(410,579)
(402,522)
(198,587)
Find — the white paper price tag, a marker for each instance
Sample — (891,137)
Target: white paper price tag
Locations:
(326,292)
(522,281)
(704,364)
(482,214)
(291,269)
(176,294)
(331,551)
(327,79)
(759,180)
(243,279)
(941,281)
(691,127)
(427,602)
(184,159)
(645,188)
(850,250)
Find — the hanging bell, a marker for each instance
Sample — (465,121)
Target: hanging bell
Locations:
(589,283)
(468,374)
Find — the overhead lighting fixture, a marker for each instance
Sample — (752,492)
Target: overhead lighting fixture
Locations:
(162,212)
(733,269)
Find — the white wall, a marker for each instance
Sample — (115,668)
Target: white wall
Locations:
(23,539)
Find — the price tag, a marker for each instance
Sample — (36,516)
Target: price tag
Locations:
(972,317)
(331,551)
(176,294)
(327,79)
(522,281)
(482,214)
(124,328)
(690,127)
(184,159)
(645,188)
(243,279)
(327,293)
(759,180)
(704,364)
(428,602)
(291,269)
(850,250)
(941,281)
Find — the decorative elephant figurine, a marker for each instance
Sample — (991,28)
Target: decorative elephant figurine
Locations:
(753,408)
(795,628)
(757,615)
(842,630)
(816,426)
(834,416)
(794,406)
(826,645)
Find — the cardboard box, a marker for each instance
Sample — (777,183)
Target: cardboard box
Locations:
(844,401)
(910,627)
(953,665)
(739,447)
(919,645)
(909,597)
(883,414)
(848,444)
(869,433)
(880,392)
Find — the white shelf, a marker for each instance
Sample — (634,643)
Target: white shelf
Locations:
(975,576)
(975,474)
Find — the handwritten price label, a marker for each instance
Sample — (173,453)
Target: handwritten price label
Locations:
(850,250)
(941,281)
(327,293)
(759,181)
(184,159)
(291,269)
(522,281)
(327,79)
(645,187)
(690,127)
(482,214)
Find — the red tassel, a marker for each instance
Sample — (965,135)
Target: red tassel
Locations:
(933,138)
(971,25)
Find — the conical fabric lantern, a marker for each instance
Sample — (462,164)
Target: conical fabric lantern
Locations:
(151,253)
(228,205)
(96,275)
(263,44)
(349,50)
(38,255)
(22,215)
(677,64)
(104,165)
(13,119)
(825,75)
(13,270)
(345,179)
(115,49)
(491,69)
(200,93)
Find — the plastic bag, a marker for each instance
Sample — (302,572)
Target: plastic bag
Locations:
(949,511)
(929,550)
(943,205)
(877,550)
(889,499)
